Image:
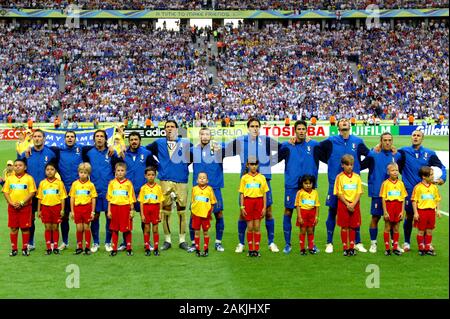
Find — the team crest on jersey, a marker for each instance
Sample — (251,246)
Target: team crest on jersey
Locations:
(417,155)
(425,155)
(142,157)
(134,158)
(77,150)
(353,146)
(287,198)
(46,159)
(308,148)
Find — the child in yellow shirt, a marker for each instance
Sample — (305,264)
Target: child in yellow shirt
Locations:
(202,204)
(151,198)
(83,196)
(348,189)
(253,189)
(392,193)
(121,201)
(51,197)
(425,202)
(307,203)
(18,190)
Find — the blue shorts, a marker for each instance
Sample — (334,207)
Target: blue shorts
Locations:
(269,196)
(289,197)
(376,207)
(101,205)
(408,206)
(218,207)
(332,201)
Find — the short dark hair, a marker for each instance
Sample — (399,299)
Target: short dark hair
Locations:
(171,121)
(306,178)
(134,133)
(23,160)
(51,164)
(39,130)
(67,132)
(101,131)
(425,171)
(253,119)
(300,122)
(347,159)
(150,169)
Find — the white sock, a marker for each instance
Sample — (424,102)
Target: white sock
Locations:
(167,238)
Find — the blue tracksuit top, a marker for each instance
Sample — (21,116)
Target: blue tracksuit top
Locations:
(137,162)
(264,148)
(207,160)
(175,168)
(377,164)
(300,159)
(333,148)
(102,168)
(68,159)
(37,161)
(412,160)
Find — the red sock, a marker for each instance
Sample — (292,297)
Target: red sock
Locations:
(155,240)
(352,236)
(257,237)
(197,242)
(55,238)
(387,245)
(13,238)
(205,242)
(128,239)
(428,239)
(396,237)
(310,241)
(420,242)
(250,241)
(87,237)
(115,239)
(25,239)
(147,241)
(79,239)
(302,241)
(344,238)
(48,238)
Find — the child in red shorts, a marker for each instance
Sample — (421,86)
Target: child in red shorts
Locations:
(151,198)
(392,193)
(51,195)
(121,201)
(202,204)
(348,189)
(253,189)
(307,203)
(83,196)
(18,190)
(425,202)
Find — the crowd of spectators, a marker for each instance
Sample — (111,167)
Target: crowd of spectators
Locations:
(112,73)
(226,4)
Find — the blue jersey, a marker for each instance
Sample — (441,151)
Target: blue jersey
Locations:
(210,162)
(175,168)
(300,159)
(264,148)
(412,160)
(68,159)
(137,162)
(102,168)
(377,164)
(333,148)
(37,161)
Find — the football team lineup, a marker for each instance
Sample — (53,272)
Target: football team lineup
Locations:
(308,203)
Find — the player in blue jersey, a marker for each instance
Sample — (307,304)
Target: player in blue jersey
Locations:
(173,158)
(330,152)
(102,173)
(266,150)
(207,157)
(38,158)
(377,162)
(301,158)
(412,159)
(137,158)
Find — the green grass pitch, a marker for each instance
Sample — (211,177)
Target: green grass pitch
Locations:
(179,275)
